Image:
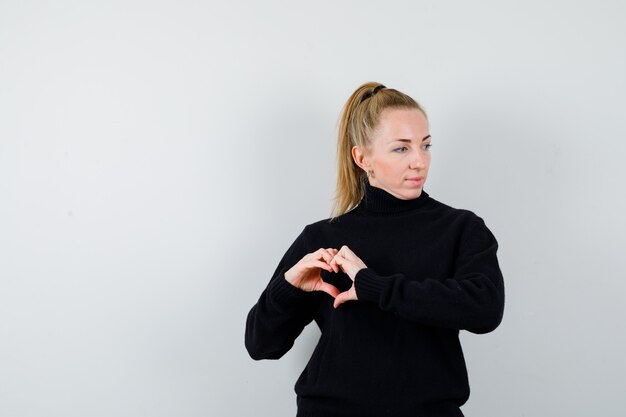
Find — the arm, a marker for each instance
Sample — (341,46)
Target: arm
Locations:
(282,310)
(472,299)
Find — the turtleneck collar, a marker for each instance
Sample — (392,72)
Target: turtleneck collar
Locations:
(378,201)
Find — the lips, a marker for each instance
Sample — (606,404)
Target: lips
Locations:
(415,179)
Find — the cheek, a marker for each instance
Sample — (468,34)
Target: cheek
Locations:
(389,168)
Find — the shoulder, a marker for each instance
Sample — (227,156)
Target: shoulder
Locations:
(310,233)
(462,217)
(465,223)
(316,228)
(471,228)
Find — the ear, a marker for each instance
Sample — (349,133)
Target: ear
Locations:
(360,158)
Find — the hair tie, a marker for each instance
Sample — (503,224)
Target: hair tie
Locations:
(371,93)
(378,88)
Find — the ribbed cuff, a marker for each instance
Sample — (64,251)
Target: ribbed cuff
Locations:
(369,285)
(284,294)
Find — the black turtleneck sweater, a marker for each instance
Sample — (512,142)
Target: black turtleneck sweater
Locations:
(432,270)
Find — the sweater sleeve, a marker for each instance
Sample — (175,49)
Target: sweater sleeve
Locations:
(472,299)
(282,311)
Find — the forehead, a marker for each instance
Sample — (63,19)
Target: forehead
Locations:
(401,124)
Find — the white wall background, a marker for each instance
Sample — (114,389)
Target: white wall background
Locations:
(157,158)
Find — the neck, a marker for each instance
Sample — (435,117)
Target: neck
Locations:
(379,201)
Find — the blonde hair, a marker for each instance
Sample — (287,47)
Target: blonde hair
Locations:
(358,119)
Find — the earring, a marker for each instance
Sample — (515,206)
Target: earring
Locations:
(370,174)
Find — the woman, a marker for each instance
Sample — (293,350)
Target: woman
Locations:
(390,279)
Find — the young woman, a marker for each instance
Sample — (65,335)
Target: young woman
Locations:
(390,279)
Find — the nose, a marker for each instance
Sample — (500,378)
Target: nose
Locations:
(417,160)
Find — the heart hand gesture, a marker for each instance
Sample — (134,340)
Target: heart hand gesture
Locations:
(306,273)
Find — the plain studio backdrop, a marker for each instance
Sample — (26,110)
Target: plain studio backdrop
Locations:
(157,158)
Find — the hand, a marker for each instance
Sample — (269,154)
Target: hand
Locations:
(306,273)
(350,264)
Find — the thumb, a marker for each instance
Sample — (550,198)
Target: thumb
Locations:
(329,289)
(340,299)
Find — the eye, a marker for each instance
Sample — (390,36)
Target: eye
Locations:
(404,147)
(427,146)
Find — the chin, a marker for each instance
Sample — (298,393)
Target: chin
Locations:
(411,193)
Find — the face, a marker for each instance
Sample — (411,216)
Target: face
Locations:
(400,153)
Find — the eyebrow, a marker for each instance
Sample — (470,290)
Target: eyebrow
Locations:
(407,140)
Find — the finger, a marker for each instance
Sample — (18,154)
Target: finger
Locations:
(348,253)
(348,295)
(340,299)
(316,255)
(333,264)
(340,260)
(329,289)
(316,263)
(326,255)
